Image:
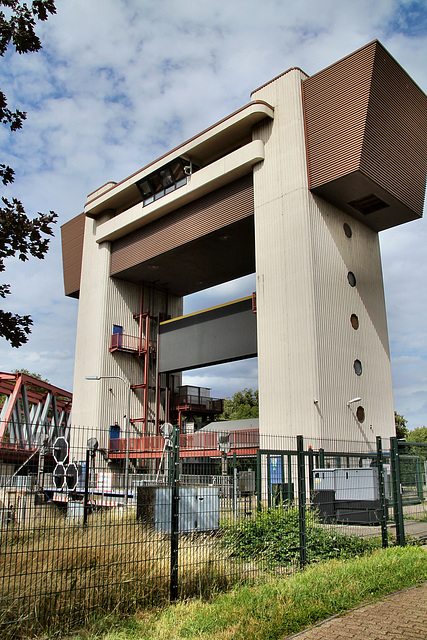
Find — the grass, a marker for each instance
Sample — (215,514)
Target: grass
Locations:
(277,607)
(58,574)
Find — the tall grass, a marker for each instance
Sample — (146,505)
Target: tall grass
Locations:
(57,574)
(276,607)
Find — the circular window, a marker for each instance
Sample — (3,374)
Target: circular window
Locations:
(354,321)
(360,414)
(347,230)
(357,367)
(351,279)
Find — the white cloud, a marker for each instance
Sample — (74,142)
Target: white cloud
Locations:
(119,83)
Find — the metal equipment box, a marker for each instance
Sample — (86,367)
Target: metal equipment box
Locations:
(348,495)
(198,508)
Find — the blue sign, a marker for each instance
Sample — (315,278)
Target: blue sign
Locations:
(276,470)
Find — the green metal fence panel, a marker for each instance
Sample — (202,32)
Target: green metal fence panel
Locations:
(194,518)
(174,534)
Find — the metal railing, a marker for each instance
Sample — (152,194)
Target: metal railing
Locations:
(190,442)
(194,402)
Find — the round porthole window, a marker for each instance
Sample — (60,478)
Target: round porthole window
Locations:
(360,414)
(347,230)
(357,367)
(354,321)
(351,279)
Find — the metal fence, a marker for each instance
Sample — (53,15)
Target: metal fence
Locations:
(91,523)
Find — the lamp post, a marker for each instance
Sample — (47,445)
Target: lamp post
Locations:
(127,422)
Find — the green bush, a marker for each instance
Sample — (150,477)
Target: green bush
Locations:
(272,539)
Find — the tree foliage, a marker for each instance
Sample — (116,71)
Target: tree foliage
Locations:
(401,428)
(243,405)
(418,435)
(19,235)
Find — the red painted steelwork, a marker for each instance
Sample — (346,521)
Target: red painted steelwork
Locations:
(124,342)
(192,445)
(11,384)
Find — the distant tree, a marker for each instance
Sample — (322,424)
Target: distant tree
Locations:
(418,435)
(243,404)
(401,428)
(19,235)
(37,376)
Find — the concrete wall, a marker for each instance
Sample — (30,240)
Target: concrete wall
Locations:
(106,301)
(306,344)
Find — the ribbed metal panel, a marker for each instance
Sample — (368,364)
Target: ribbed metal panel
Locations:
(336,104)
(395,147)
(285,318)
(210,213)
(339,344)
(366,133)
(72,234)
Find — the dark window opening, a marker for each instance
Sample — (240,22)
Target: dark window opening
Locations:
(165,180)
(351,279)
(360,414)
(368,204)
(358,367)
(347,230)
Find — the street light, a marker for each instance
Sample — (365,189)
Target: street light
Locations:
(127,420)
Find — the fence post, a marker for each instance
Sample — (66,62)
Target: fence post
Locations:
(258,480)
(310,471)
(235,486)
(86,494)
(397,491)
(268,481)
(383,502)
(301,501)
(290,495)
(174,515)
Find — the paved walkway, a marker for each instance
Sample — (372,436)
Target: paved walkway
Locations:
(401,616)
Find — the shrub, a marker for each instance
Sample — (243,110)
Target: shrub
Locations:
(272,539)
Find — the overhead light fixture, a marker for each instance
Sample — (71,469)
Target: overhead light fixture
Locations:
(353,400)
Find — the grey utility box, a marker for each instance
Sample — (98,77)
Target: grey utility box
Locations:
(198,508)
(247,482)
(348,495)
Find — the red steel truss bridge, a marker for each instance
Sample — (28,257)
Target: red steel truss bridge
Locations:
(32,413)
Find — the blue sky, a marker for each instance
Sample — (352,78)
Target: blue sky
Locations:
(119,82)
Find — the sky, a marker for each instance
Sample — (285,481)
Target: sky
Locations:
(120,82)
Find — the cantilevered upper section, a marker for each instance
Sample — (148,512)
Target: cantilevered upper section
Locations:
(366,147)
(209,146)
(366,131)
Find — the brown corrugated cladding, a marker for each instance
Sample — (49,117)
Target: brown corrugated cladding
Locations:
(210,213)
(395,147)
(72,234)
(366,131)
(336,103)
